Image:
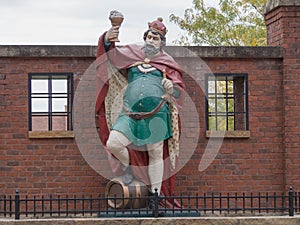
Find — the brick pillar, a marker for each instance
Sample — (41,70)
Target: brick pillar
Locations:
(283,29)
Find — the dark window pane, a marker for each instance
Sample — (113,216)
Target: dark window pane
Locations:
(227,102)
(50,101)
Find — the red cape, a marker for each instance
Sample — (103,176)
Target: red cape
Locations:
(123,58)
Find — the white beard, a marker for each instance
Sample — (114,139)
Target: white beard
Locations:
(150,50)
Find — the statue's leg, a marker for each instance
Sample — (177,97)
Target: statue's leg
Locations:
(116,144)
(156,165)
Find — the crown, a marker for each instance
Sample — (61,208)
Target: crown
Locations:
(158,26)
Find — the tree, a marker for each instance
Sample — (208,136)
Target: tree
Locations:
(234,23)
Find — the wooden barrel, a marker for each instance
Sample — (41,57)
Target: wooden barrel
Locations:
(136,190)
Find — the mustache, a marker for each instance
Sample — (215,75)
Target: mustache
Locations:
(150,49)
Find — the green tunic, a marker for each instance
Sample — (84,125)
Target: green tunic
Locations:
(143,94)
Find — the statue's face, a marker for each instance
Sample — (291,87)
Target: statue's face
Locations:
(153,39)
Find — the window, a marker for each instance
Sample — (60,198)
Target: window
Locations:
(227,102)
(50,101)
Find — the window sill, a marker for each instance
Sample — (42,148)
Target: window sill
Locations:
(228,134)
(51,134)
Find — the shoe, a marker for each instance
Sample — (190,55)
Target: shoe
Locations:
(127,178)
(152,204)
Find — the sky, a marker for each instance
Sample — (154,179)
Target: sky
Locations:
(81,22)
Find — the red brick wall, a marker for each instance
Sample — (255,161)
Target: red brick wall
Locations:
(287,21)
(243,165)
(268,161)
(39,166)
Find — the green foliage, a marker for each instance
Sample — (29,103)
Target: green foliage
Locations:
(234,23)
(221,104)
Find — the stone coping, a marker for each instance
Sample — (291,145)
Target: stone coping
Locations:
(273,4)
(64,51)
(264,220)
(50,134)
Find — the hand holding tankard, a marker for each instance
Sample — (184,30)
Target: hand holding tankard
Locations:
(116,18)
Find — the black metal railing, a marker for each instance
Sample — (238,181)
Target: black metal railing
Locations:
(184,205)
